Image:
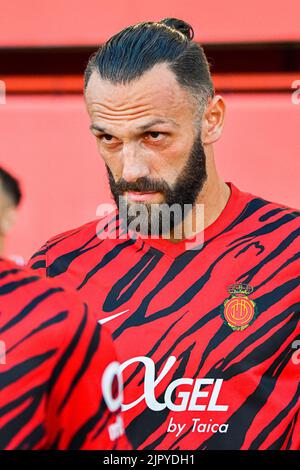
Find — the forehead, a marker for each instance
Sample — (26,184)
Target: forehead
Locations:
(155,93)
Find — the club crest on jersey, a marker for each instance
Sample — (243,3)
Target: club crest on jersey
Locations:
(238,311)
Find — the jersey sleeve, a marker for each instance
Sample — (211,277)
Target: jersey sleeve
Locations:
(38,261)
(85,389)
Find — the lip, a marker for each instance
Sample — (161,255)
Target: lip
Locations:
(137,196)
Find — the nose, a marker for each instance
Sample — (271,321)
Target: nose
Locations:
(134,163)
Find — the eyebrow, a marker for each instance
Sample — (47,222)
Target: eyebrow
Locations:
(141,128)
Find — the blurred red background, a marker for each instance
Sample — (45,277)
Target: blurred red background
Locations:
(45,140)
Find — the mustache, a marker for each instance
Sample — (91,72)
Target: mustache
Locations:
(141,185)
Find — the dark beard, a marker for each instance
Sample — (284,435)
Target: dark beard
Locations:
(185,190)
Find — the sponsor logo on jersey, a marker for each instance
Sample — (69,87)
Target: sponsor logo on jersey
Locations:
(180,395)
(112,389)
(193,398)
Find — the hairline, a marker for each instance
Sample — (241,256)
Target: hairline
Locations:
(197,99)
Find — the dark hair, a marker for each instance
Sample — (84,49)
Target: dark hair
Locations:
(10,186)
(136,49)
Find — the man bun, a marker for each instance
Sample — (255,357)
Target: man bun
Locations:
(180,26)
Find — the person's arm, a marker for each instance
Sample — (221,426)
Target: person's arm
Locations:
(84,401)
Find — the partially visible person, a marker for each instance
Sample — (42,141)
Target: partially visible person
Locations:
(60,386)
(60,382)
(10,198)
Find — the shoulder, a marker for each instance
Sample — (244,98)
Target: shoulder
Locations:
(71,243)
(279,213)
(249,195)
(267,210)
(31,302)
(83,234)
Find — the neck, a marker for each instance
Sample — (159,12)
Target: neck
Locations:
(213,198)
(209,204)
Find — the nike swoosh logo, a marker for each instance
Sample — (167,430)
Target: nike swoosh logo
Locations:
(107,319)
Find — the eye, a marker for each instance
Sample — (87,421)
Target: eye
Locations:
(154,135)
(106,137)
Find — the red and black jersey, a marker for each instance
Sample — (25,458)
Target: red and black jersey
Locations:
(58,369)
(206,336)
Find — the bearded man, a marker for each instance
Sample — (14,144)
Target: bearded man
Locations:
(204,314)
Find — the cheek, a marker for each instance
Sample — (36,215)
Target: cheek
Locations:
(100,150)
(106,155)
(169,164)
(113,161)
(3,209)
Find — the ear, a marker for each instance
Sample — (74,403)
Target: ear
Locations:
(7,220)
(213,120)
